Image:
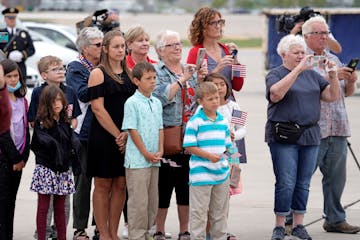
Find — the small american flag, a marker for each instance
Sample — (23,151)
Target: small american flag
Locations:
(239,70)
(238,117)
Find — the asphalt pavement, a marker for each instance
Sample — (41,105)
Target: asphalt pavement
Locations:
(251,213)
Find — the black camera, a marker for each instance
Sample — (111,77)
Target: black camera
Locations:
(99,20)
(285,23)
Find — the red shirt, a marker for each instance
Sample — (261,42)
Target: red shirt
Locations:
(5,110)
(131,63)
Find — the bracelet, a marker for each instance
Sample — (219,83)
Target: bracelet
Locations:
(180,84)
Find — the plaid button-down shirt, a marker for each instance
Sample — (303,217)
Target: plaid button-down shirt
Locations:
(333,116)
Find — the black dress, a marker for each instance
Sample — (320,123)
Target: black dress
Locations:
(104,157)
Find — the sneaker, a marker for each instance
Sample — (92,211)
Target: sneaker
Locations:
(168,235)
(300,233)
(278,233)
(125,232)
(159,236)
(342,227)
(184,236)
(152,231)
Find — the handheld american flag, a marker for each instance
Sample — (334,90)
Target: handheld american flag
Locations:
(238,117)
(239,70)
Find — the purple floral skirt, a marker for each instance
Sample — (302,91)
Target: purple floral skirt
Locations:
(46,181)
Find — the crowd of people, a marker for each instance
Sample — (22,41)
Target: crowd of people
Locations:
(105,120)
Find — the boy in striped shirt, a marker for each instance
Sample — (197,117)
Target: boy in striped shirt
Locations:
(207,137)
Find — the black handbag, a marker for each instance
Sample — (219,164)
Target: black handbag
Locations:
(287,132)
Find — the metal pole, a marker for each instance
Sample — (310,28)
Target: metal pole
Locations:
(353,154)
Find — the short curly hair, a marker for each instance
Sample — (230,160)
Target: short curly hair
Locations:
(201,20)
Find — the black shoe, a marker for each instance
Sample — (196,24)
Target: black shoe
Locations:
(278,233)
(300,233)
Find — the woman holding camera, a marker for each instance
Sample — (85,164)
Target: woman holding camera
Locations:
(294,92)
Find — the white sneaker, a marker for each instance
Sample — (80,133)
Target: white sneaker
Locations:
(125,232)
(168,235)
(152,231)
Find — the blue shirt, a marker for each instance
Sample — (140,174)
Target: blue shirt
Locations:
(145,116)
(301,104)
(212,136)
(172,109)
(70,98)
(77,76)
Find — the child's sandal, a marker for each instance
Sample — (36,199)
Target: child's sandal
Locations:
(184,236)
(80,235)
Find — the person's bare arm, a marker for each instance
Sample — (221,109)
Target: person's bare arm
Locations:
(97,105)
(334,45)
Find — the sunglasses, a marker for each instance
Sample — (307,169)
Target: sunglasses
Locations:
(96,44)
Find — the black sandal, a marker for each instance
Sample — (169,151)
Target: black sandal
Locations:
(184,236)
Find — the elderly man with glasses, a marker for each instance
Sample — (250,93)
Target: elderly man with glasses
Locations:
(334,127)
(19,45)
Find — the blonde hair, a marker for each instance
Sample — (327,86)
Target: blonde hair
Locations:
(205,89)
(133,33)
(47,61)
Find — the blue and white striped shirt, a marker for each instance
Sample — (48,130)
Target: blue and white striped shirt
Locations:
(212,136)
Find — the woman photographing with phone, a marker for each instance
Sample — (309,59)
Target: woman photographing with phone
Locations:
(294,91)
(206,30)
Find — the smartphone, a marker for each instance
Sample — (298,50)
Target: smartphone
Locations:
(233,53)
(318,61)
(4,37)
(353,63)
(200,57)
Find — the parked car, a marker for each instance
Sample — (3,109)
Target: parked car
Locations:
(61,34)
(43,47)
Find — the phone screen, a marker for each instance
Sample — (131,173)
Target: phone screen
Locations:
(353,63)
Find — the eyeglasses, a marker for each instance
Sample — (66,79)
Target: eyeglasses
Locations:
(99,44)
(320,33)
(57,70)
(215,23)
(174,45)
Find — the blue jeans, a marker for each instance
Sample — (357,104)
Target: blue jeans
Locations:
(332,163)
(293,167)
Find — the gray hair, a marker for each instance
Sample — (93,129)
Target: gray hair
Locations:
(288,42)
(160,40)
(307,26)
(86,35)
